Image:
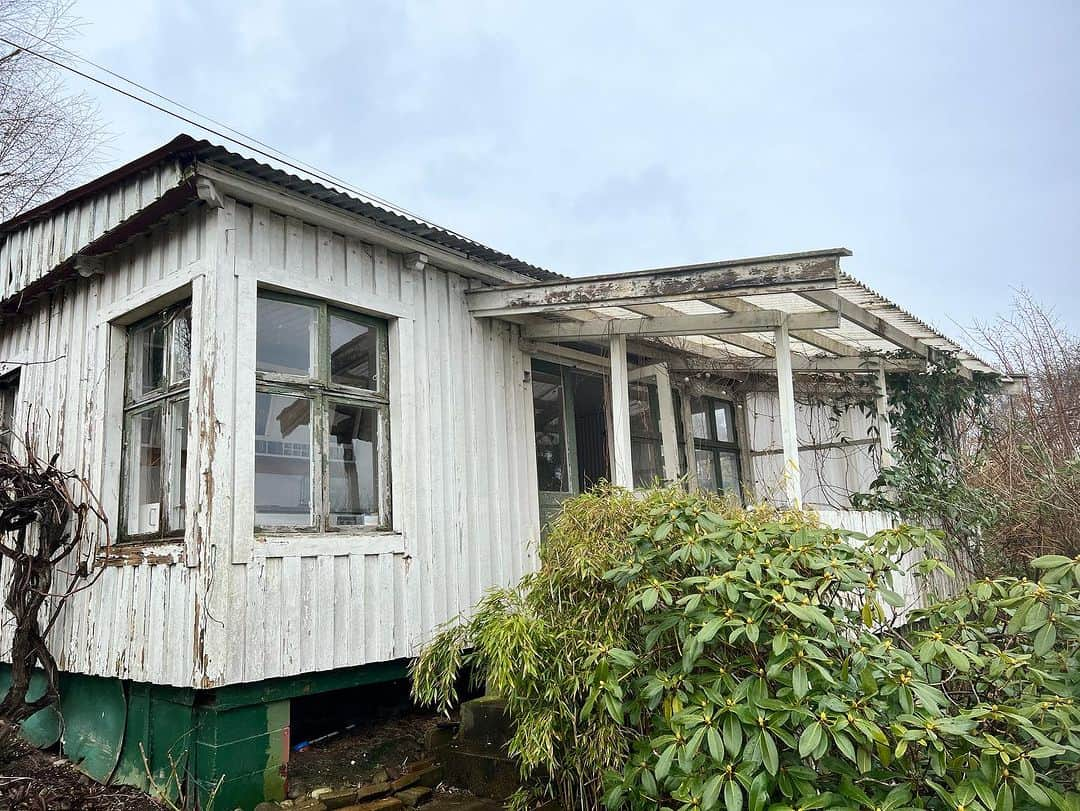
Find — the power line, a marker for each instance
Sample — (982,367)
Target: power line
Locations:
(280,157)
(310,167)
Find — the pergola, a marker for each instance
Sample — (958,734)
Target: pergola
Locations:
(784,314)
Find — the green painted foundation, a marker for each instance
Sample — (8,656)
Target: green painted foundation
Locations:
(229,743)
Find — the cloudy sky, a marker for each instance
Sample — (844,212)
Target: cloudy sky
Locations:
(940,141)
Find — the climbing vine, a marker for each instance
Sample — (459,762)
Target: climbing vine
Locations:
(938,418)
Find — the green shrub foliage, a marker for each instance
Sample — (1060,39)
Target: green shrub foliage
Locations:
(753,661)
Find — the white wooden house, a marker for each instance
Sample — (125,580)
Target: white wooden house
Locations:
(321,428)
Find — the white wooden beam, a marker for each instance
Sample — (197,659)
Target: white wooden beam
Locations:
(799,363)
(676,325)
(884,426)
(668,437)
(620,414)
(785,386)
(778,274)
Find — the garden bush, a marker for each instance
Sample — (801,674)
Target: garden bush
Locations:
(676,653)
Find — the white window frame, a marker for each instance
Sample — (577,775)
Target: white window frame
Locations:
(323,393)
(173,396)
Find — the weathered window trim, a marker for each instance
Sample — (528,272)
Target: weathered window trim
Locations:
(715,445)
(9,408)
(169,395)
(319,388)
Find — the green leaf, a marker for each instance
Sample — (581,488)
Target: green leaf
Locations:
(1045,639)
(810,738)
(733,798)
(1050,562)
(770,757)
(712,791)
(716,746)
(1034,792)
(663,763)
(733,734)
(759,792)
(959,661)
(799,682)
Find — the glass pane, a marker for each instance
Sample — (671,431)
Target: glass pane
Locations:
(9,393)
(143,475)
(285,337)
(699,414)
(181,346)
(146,363)
(706,470)
(729,473)
(647,460)
(282,460)
(354,499)
(550,433)
(354,352)
(643,417)
(725,421)
(178,422)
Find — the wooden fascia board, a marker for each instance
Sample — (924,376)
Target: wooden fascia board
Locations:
(281,201)
(776,275)
(674,326)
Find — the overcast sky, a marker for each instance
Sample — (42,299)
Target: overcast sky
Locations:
(938,141)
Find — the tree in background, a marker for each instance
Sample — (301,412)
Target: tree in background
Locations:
(48,134)
(1028,457)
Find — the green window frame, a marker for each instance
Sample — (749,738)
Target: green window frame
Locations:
(716,460)
(155,433)
(324,466)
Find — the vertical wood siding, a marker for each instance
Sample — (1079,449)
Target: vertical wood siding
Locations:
(829,474)
(137,621)
(464,494)
(464,484)
(32,250)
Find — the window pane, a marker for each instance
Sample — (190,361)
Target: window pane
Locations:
(725,421)
(285,337)
(353,353)
(647,461)
(144,449)
(178,422)
(147,360)
(181,346)
(354,499)
(9,394)
(729,474)
(282,460)
(550,433)
(643,417)
(706,470)
(699,414)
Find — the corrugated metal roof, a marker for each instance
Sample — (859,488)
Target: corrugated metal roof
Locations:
(187,148)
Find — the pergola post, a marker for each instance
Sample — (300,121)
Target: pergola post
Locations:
(668,436)
(620,414)
(785,387)
(884,427)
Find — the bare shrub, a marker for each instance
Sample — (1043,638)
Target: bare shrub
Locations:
(1029,455)
(47,521)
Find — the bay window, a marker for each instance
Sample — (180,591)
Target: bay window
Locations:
(321,417)
(156,425)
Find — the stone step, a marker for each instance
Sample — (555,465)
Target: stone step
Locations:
(480,770)
(485,724)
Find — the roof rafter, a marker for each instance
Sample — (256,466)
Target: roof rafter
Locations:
(679,325)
